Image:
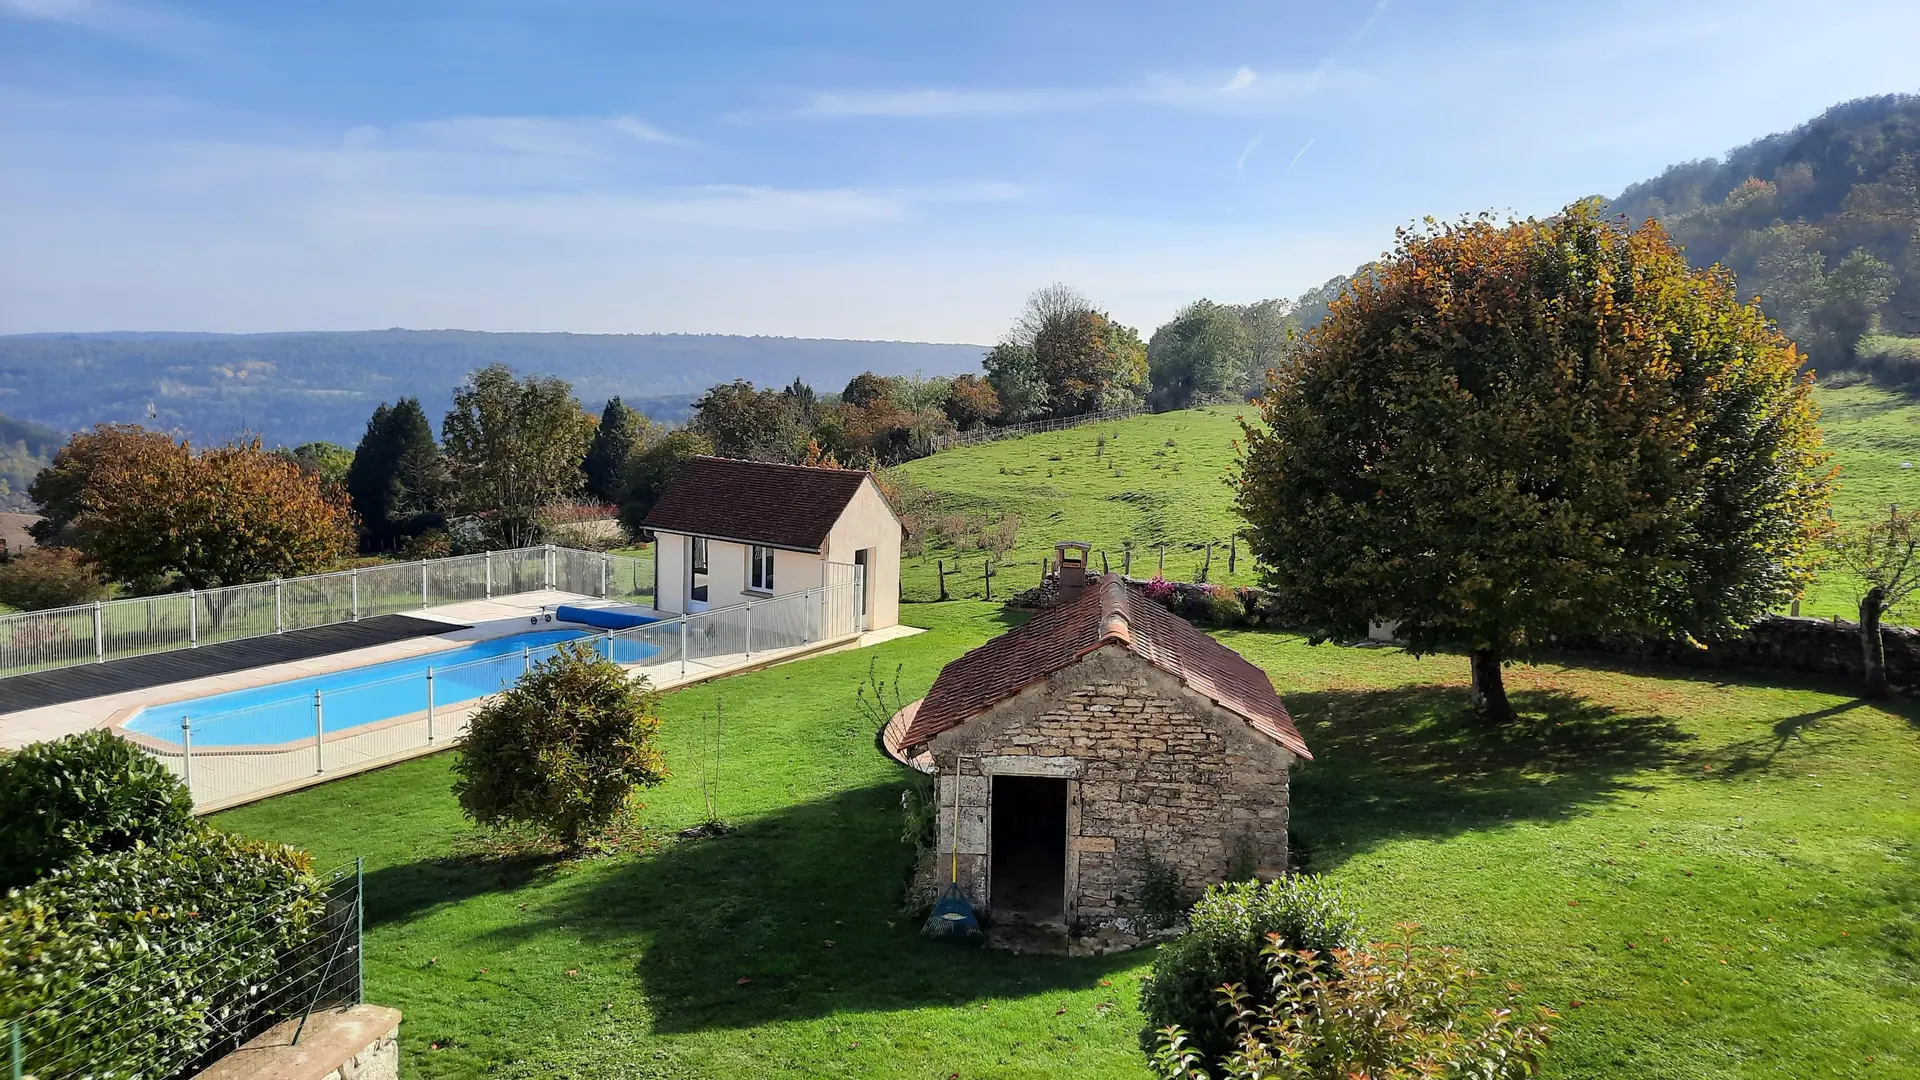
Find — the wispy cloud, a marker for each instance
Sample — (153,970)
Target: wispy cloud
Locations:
(1243,89)
(562,136)
(145,24)
(1247,151)
(1296,157)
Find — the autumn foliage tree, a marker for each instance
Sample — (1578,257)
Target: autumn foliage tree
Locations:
(160,510)
(60,488)
(1505,436)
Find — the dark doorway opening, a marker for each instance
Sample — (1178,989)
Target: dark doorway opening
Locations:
(1029,844)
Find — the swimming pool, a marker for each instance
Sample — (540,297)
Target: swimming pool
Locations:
(283,712)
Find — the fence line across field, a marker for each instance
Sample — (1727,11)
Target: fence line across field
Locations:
(103,1027)
(116,629)
(415,713)
(1032,427)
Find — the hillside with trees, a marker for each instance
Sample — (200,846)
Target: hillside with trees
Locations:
(1822,222)
(25,449)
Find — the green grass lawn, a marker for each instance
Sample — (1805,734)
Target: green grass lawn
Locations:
(1720,872)
(1163,479)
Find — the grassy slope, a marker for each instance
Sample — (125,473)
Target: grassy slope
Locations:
(1065,485)
(1723,873)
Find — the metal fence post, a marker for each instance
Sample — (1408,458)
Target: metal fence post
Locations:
(489,557)
(683,646)
(99,634)
(193,619)
(360,929)
(319,737)
(749,629)
(423,584)
(186,753)
(19,1054)
(605,562)
(526,656)
(429,706)
(546,564)
(355,574)
(279,611)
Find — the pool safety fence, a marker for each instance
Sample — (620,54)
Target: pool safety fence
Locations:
(236,755)
(116,629)
(184,997)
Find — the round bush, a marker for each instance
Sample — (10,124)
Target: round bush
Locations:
(1224,606)
(562,750)
(154,955)
(91,793)
(1225,932)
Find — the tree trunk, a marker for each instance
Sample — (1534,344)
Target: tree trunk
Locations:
(1489,689)
(1873,653)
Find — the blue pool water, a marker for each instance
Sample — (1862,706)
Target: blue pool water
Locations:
(283,712)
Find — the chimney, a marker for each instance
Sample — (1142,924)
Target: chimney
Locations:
(1071,557)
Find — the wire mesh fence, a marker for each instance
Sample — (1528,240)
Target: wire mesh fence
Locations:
(186,997)
(229,756)
(978,575)
(115,629)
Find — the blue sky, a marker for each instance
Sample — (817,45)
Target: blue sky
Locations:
(866,170)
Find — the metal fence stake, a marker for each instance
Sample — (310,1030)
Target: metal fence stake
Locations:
(526,655)
(193,619)
(19,1055)
(489,557)
(360,928)
(429,706)
(319,737)
(749,629)
(186,754)
(279,615)
(423,584)
(683,646)
(355,574)
(604,563)
(99,635)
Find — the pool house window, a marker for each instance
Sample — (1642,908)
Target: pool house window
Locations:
(760,568)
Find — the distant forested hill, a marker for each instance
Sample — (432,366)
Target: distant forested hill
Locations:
(1822,222)
(296,387)
(25,449)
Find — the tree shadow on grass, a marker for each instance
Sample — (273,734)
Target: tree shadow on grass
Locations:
(803,904)
(1415,761)
(398,893)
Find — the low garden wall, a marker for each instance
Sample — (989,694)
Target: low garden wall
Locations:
(1829,647)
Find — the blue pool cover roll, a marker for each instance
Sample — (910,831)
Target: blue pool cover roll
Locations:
(602,618)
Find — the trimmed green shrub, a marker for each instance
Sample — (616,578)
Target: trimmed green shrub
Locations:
(90,793)
(1392,1010)
(154,955)
(1222,944)
(562,750)
(1224,606)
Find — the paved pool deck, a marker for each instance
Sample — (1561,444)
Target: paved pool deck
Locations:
(222,777)
(466,622)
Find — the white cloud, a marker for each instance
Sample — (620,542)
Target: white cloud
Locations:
(146,24)
(1244,89)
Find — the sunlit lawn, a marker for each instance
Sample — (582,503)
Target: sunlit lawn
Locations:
(1722,875)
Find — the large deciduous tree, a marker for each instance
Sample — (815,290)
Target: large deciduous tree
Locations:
(513,447)
(1504,436)
(398,480)
(622,431)
(60,488)
(652,470)
(223,516)
(1201,355)
(742,421)
(1884,553)
(1063,357)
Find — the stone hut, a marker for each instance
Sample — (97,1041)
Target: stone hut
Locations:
(1104,736)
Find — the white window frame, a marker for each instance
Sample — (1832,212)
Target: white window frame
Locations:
(759,569)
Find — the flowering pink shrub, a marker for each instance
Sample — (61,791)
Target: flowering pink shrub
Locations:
(1160,590)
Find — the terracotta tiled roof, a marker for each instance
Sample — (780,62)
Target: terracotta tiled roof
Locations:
(1107,613)
(756,502)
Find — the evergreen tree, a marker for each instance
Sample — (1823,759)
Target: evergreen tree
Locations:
(398,480)
(622,431)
